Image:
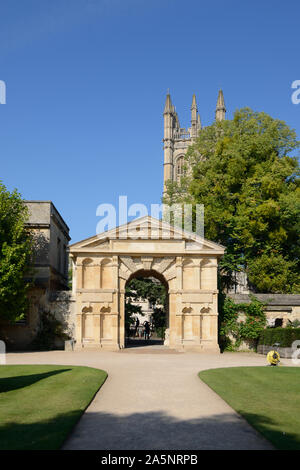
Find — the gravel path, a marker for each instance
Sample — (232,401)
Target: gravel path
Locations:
(153,399)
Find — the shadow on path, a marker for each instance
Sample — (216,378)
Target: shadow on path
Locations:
(140,342)
(157,430)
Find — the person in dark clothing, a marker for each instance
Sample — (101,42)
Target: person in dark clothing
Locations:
(146,330)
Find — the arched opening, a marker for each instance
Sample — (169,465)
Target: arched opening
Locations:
(179,168)
(87,273)
(146,309)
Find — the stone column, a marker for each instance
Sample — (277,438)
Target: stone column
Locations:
(197,271)
(115,329)
(116,305)
(78,330)
(74,277)
(100,273)
(179,272)
(121,318)
(96,328)
(79,275)
(172,320)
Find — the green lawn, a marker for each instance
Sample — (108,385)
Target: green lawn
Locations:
(40,404)
(268,397)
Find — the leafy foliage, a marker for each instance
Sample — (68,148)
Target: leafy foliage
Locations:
(15,255)
(294,323)
(145,289)
(131,310)
(70,277)
(50,329)
(242,171)
(240,321)
(159,321)
(284,336)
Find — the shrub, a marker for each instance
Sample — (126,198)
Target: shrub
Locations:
(294,324)
(50,329)
(284,336)
(233,327)
(161,331)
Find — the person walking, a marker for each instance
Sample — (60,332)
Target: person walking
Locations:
(146,330)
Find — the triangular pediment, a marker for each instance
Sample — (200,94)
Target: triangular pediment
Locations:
(147,233)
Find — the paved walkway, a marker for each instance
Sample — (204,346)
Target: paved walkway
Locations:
(153,399)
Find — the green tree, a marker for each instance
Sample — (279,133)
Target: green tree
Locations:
(15,255)
(244,173)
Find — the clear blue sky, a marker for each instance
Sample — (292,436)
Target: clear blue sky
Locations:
(86,83)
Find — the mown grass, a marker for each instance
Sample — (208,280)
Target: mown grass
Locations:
(40,404)
(267,397)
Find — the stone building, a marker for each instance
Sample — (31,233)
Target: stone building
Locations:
(281,309)
(177,139)
(51,236)
(185,263)
(176,143)
(50,272)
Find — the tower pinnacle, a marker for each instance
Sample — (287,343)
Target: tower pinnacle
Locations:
(168,104)
(220,109)
(195,119)
(194,109)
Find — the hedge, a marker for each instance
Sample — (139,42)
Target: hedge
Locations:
(284,336)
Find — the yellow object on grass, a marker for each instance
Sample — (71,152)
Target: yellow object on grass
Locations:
(273,358)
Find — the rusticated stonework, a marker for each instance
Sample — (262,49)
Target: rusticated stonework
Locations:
(187,265)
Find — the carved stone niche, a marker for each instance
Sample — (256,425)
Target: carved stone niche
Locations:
(205,308)
(187,310)
(105,309)
(87,309)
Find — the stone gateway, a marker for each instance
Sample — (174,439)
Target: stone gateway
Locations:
(185,263)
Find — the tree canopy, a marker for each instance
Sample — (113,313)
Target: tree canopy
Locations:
(244,172)
(15,255)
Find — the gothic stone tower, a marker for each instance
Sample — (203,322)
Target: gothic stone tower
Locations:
(177,139)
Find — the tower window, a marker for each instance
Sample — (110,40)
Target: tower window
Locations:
(179,168)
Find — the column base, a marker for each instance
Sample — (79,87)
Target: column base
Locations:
(202,347)
(98,346)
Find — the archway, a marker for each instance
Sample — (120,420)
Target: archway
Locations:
(146,305)
(185,263)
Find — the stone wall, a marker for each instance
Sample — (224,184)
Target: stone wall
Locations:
(285,307)
(287,353)
(60,303)
(280,308)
